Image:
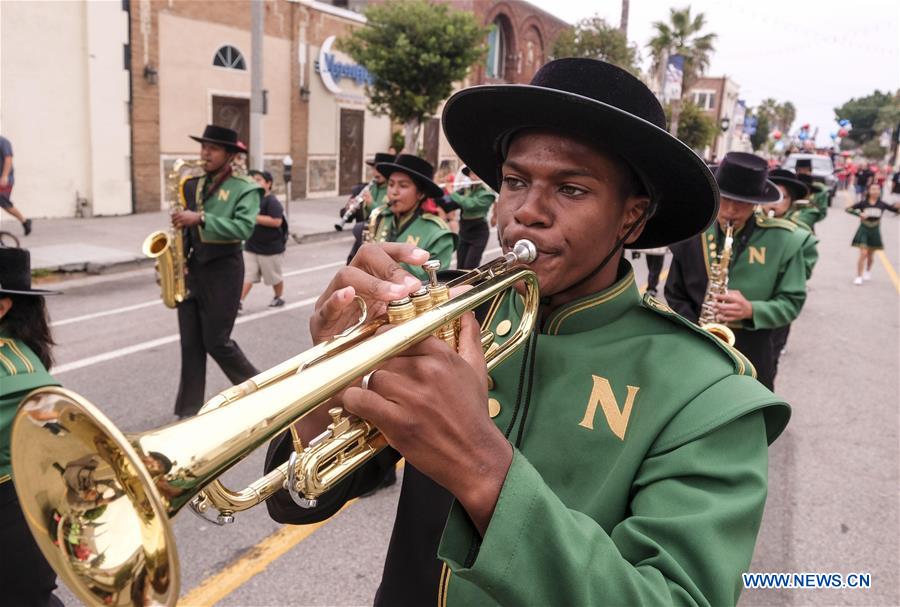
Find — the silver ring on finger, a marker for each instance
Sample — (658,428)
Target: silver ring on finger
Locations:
(366,379)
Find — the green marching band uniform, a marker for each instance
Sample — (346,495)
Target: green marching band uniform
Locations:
(797,190)
(379,198)
(817,208)
(868,234)
(425,230)
(639,470)
(474,201)
(228,205)
(25,577)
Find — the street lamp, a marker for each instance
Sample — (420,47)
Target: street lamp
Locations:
(725,123)
(288,164)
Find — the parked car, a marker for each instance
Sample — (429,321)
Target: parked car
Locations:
(822,167)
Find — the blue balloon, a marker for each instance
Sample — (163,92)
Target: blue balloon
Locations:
(833,135)
(844,122)
(803,135)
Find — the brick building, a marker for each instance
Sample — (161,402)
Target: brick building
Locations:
(718,97)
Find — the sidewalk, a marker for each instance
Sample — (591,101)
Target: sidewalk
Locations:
(106,244)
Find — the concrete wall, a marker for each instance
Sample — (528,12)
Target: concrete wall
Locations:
(188,80)
(64,108)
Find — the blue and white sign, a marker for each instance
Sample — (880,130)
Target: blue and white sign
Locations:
(750,123)
(332,71)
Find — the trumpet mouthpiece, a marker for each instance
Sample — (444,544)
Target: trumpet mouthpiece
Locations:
(525,251)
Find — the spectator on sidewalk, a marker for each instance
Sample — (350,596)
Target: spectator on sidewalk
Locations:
(264,250)
(7,178)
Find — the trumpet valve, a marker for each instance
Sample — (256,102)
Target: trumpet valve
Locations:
(400,310)
(339,424)
(421,300)
(432,266)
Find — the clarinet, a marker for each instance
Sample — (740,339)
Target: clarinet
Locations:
(353,208)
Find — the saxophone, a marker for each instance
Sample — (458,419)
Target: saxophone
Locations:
(717,285)
(372,225)
(167,247)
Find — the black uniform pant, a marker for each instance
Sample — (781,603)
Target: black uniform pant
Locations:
(473,237)
(654,269)
(205,321)
(26,580)
(779,341)
(757,346)
(358,230)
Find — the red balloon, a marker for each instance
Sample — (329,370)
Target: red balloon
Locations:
(806,126)
(843,132)
(776,135)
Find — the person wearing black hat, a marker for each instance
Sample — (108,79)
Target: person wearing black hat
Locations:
(409,184)
(221,214)
(374,196)
(475,200)
(767,273)
(793,203)
(619,456)
(25,356)
(819,194)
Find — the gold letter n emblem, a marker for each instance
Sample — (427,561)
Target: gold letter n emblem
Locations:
(223,194)
(758,255)
(616,418)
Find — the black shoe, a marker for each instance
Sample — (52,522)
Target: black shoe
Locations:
(26,225)
(276,302)
(240,307)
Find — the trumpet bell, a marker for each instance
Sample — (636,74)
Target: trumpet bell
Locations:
(92,504)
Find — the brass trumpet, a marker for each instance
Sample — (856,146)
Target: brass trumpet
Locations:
(99,502)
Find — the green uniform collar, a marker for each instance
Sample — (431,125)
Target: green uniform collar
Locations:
(595,310)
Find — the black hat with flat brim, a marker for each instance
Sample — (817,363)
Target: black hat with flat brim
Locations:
(600,103)
(419,169)
(15,273)
(221,135)
(796,188)
(381,157)
(744,177)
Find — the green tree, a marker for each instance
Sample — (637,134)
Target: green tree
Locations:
(863,114)
(682,35)
(763,128)
(594,38)
(415,50)
(696,128)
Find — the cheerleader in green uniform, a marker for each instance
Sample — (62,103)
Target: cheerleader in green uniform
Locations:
(868,235)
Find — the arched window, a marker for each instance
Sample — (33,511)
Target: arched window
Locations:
(496,56)
(230,57)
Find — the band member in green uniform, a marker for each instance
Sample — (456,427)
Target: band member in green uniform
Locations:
(792,191)
(25,356)
(221,213)
(619,456)
(374,196)
(409,185)
(767,275)
(817,208)
(868,235)
(475,201)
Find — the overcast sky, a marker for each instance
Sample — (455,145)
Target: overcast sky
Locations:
(815,53)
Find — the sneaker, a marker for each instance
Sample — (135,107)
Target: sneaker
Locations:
(867,275)
(276,302)
(857,281)
(27,227)
(240,308)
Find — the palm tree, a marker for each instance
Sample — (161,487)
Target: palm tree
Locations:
(682,36)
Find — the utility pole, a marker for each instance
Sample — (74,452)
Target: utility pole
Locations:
(256,90)
(623,22)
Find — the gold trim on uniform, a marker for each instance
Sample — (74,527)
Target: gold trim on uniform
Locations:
(15,349)
(5,478)
(8,364)
(553,328)
(443,585)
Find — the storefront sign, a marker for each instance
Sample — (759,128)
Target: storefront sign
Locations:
(333,71)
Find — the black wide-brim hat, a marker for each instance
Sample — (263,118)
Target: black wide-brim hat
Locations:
(744,177)
(600,103)
(797,189)
(221,135)
(15,273)
(419,169)
(381,157)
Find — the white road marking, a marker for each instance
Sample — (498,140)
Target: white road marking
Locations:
(161,341)
(147,304)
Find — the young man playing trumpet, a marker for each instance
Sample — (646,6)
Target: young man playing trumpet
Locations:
(619,456)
